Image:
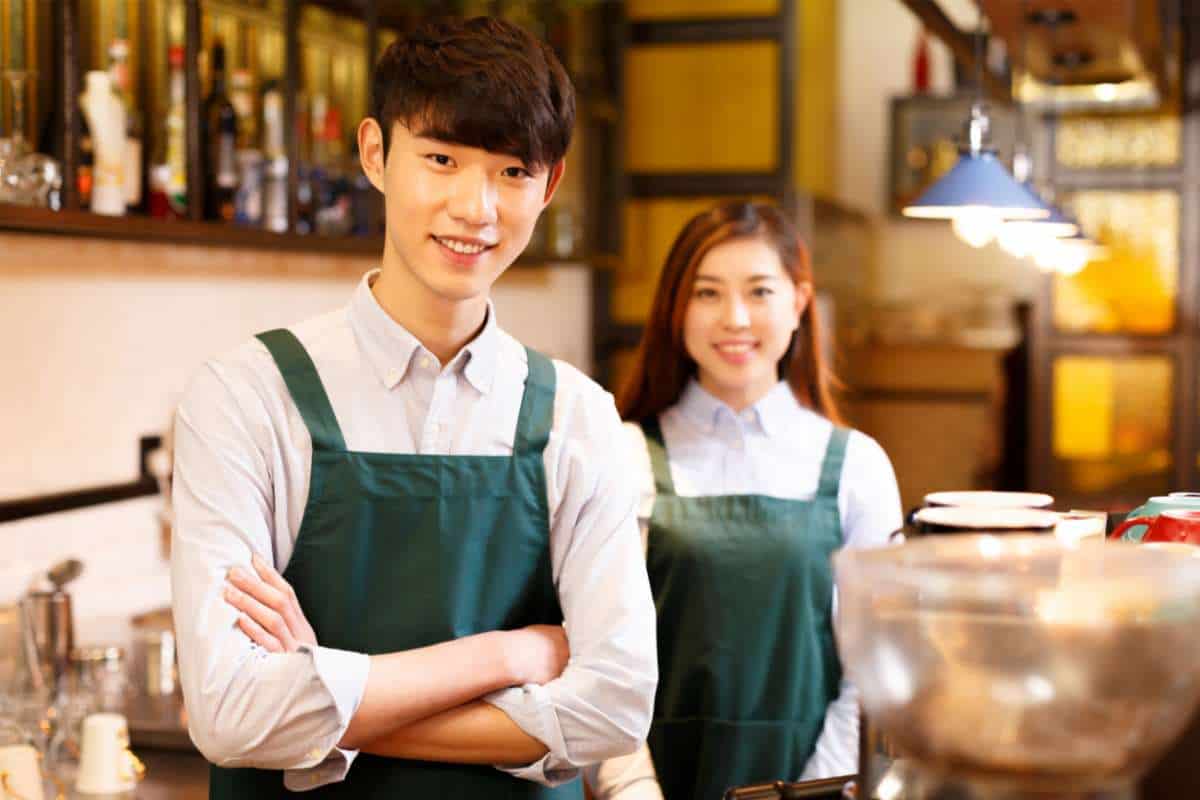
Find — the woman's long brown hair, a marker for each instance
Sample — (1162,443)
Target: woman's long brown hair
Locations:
(662,366)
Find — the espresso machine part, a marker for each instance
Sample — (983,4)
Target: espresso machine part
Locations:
(1017,666)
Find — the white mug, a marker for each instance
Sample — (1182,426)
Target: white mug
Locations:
(20,775)
(105,764)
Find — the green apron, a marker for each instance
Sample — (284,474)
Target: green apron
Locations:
(399,551)
(747,665)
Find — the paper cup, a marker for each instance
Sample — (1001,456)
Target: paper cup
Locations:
(105,764)
(20,775)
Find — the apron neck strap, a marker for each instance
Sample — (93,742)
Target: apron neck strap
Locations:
(304,384)
(537,405)
(657,447)
(831,469)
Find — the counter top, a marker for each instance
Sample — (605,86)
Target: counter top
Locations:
(172,775)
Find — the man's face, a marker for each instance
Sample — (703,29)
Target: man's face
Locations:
(457,216)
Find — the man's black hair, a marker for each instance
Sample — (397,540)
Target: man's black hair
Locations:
(482,82)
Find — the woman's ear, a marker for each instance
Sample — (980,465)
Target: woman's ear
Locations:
(370,151)
(804,295)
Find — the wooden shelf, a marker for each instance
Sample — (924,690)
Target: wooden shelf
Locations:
(132,228)
(22,219)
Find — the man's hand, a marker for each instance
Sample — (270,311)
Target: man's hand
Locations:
(271,617)
(537,654)
(271,614)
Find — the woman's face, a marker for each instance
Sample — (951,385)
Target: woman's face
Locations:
(740,318)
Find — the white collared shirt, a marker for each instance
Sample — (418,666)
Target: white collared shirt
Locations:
(242,467)
(776,447)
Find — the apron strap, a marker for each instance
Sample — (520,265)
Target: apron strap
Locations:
(657,447)
(537,405)
(304,384)
(831,469)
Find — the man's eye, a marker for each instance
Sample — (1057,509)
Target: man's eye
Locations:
(517,172)
(441,159)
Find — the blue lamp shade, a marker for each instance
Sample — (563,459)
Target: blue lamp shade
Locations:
(977,182)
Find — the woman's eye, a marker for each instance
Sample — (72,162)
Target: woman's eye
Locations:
(705,293)
(762,291)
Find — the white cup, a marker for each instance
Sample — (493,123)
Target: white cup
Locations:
(105,764)
(19,773)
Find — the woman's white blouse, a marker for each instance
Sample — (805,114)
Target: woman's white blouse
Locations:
(775,447)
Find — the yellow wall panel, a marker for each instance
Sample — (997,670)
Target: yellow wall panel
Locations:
(1133,289)
(815,97)
(1083,407)
(702,107)
(1112,425)
(696,9)
(650,229)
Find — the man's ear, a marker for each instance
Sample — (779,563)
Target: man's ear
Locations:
(556,173)
(370,151)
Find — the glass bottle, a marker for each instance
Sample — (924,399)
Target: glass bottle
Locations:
(176,131)
(219,137)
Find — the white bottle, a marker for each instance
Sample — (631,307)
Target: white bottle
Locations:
(106,121)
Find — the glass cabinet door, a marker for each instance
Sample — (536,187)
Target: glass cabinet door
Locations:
(1112,426)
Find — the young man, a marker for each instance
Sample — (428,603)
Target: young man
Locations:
(383,514)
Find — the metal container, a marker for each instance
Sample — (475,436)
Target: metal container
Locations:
(47,637)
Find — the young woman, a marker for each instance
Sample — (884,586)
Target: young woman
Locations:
(750,483)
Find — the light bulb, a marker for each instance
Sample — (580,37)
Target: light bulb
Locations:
(1046,255)
(1020,238)
(976,226)
(1072,257)
(1064,256)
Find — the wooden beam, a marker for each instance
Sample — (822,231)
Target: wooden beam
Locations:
(960,44)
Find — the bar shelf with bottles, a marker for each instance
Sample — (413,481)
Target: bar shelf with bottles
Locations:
(212,122)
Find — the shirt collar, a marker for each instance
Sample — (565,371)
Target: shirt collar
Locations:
(776,407)
(390,347)
(705,410)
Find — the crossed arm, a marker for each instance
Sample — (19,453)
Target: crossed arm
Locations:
(439,716)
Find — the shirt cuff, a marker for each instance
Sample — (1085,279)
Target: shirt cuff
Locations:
(344,675)
(333,769)
(531,708)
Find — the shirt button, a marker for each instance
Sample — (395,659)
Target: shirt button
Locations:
(426,363)
(314,753)
(393,376)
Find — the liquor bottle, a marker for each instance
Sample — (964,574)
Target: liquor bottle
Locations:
(218,133)
(176,133)
(84,176)
(241,94)
(275,167)
(119,77)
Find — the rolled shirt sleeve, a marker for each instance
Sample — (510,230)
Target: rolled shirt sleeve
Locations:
(601,705)
(246,707)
